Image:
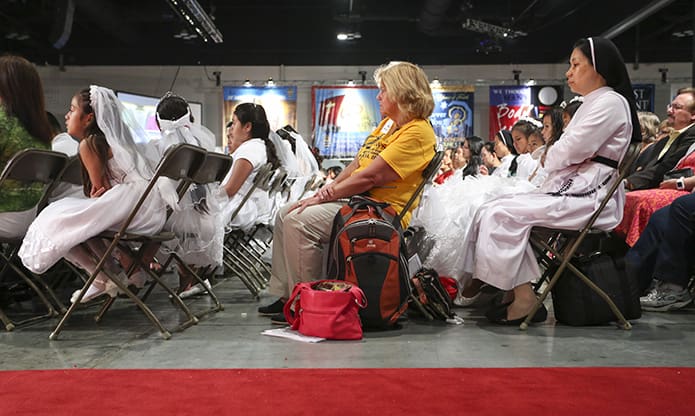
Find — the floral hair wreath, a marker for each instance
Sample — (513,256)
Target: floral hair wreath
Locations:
(577,98)
(535,123)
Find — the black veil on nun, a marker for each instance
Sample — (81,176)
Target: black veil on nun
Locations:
(607,61)
(506,137)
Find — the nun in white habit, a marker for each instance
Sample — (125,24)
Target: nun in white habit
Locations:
(496,249)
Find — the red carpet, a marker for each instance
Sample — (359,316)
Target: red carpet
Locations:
(449,391)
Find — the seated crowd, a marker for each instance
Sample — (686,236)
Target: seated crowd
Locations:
(478,213)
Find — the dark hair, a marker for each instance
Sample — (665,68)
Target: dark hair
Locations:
(172,107)
(260,128)
(490,146)
(335,170)
(525,127)
(475,146)
(556,122)
(21,95)
(53,124)
(93,138)
(572,107)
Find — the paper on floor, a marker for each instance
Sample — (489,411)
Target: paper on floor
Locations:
(286,332)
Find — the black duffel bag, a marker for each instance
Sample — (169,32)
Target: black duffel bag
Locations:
(574,302)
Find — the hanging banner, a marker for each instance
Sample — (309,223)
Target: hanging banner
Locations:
(280,104)
(343,118)
(507,105)
(644,96)
(452,118)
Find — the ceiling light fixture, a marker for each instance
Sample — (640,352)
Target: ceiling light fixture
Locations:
(435,83)
(499,32)
(349,36)
(270,82)
(200,22)
(248,83)
(351,83)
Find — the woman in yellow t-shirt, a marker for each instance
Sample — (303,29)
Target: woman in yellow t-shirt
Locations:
(388,167)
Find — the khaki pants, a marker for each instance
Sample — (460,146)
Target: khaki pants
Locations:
(298,242)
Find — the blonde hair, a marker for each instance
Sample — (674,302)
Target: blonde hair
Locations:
(407,85)
(649,124)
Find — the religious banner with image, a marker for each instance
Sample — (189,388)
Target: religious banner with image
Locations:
(452,118)
(644,96)
(280,104)
(343,117)
(509,103)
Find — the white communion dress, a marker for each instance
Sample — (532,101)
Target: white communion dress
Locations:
(68,222)
(446,212)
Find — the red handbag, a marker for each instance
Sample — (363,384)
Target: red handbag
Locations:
(326,309)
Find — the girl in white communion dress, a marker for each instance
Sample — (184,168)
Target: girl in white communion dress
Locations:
(117,166)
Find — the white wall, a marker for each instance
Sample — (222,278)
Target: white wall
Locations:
(197,83)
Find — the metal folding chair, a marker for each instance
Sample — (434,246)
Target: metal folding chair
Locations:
(213,171)
(30,167)
(427,177)
(236,257)
(558,247)
(179,163)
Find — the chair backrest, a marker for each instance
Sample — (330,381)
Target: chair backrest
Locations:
(214,169)
(262,180)
(427,177)
(179,163)
(264,177)
(633,151)
(36,166)
(277,182)
(73,172)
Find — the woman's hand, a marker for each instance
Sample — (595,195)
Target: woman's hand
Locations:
(95,193)
(668,184)
(307,202)
(326,192)
(483,170)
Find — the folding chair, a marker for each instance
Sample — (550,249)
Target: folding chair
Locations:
(427,176)
(563,244)
(30,166)
(235,259)
(213,171)
(180,163)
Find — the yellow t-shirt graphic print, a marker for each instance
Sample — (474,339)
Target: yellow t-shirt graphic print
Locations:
(407,150)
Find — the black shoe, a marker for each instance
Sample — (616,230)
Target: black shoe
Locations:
(498,315)
(278,319)
(272,309)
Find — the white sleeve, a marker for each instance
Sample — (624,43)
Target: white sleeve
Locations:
(604,120)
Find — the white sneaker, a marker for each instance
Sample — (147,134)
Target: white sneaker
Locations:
(194,290)
(665,297)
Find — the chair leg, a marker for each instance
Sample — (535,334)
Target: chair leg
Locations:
(624,324)
(9,325)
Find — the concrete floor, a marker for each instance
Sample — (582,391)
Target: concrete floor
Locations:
(232,339)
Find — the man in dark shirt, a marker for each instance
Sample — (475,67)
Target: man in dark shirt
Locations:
(666,153)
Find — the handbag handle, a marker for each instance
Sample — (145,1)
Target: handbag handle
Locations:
(293,301)
(358,294)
